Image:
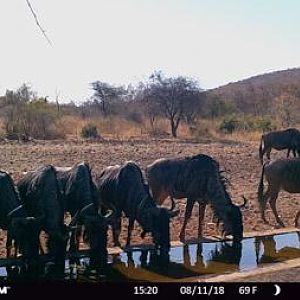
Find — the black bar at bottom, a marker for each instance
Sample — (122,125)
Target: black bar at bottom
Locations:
(169,291)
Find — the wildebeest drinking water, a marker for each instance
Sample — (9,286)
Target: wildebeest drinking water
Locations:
(197,178)
(280,140)
(41,198)
(79,197)
(281,174)
(21,228)
(124,187)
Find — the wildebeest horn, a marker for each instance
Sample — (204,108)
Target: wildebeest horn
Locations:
(72,224)
(173,213)
(173,204)
(107,215)
(245,202)
(11,214)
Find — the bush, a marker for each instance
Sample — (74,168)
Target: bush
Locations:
(134,116)
(89,131)
(229,125)
(247,123)
(266,125)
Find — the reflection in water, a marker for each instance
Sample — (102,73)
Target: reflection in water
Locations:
(266,250)
(223,257)
(194,260)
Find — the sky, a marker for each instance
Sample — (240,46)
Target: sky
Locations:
(124,41)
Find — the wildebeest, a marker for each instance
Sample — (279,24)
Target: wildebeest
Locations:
(280,140)
(79,197)
(281,174)
(40,195)
(21,228)
(297,220)
(124,188)
(197,178)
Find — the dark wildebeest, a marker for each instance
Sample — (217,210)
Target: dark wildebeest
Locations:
(197,178)
(21,228)
(281,174)
(79,195)
(280,140)
(124,188)
(40,194)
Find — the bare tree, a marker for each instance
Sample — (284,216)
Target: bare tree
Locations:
(175,97)
(106,94)
(146,102)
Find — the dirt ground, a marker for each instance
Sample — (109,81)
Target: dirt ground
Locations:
(289,275)
(240,160)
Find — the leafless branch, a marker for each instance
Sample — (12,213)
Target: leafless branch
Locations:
(37,22)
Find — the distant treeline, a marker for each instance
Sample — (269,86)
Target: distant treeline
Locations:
(259,103)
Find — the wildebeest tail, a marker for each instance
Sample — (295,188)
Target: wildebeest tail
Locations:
(260,190)
(260,150)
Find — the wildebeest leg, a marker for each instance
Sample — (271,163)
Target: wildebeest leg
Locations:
(294,152)
(265,198)
(116,228)
(273,207)
(257,244)
(188,213)
(186,255)
(74,248)
(8,244)
(16,246)
(288,152)
(130,228)
(202,207)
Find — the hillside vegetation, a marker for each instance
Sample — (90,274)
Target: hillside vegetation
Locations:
(160,106)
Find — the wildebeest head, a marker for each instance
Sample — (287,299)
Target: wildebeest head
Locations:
(156,220)
(233,222)
(95,234)
(25,231)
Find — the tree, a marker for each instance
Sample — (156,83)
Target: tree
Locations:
(15,111)
(105,95)
(174,96)
(217,107)
(286,109)
(145,102)
(25,115)
(41,119)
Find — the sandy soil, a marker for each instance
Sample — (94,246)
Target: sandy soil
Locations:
(240,160)
(289,275)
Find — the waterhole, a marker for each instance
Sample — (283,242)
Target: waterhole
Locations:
(203,259)
(189,260)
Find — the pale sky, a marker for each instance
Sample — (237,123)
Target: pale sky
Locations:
(123,41)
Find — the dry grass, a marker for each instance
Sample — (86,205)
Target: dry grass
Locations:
(117,127)
(71,125)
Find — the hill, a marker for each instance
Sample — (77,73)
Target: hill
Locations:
(258,94)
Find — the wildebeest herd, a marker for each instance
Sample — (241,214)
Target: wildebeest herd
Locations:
(40,200)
